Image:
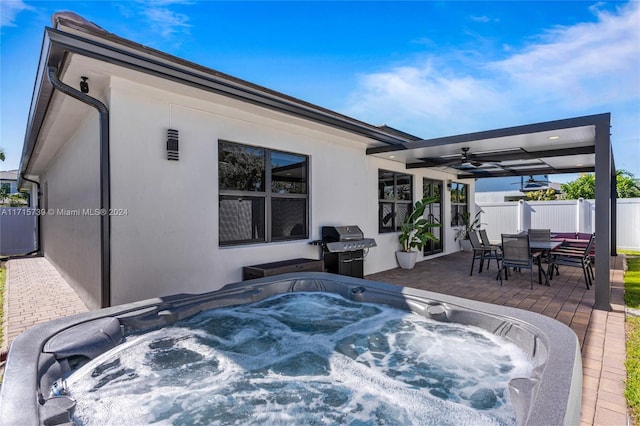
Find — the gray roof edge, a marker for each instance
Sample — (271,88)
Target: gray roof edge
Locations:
(42,91)
(114,49)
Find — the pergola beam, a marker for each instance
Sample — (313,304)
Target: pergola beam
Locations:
(527,172)
(605,199)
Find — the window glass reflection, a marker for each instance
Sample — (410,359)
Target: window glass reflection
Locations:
(240,167)
(288,173)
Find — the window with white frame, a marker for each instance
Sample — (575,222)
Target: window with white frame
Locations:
(263,194)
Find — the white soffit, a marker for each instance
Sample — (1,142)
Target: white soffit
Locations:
(531,142)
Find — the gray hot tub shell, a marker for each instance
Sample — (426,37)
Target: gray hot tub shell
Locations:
(43,354)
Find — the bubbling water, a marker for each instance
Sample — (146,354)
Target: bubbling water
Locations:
(302,358)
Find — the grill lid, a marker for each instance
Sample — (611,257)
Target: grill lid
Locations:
(341,233)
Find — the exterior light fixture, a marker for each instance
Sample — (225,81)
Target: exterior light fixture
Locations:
(553,138)
(84,86)
(392,157)
(172,145)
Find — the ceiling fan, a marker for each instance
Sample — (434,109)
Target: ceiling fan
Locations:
(532,181)
(466,160)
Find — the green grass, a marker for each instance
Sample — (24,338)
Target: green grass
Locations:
(632,283)
(632,300)
(632,391)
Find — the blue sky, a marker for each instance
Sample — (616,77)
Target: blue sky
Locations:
(432,68)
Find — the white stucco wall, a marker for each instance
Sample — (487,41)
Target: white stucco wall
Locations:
(168,240)
(70,239)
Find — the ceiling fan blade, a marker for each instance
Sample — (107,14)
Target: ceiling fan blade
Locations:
(464,161)
(441,162)
(484,159)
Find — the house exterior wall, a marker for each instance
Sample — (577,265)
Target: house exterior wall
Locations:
(167,241)
(12,185)
(71,239)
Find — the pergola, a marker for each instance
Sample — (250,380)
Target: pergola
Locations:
(574,145)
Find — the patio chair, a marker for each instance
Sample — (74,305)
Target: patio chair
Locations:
(516,253)
(574,258)
(494,250)
(539,234)
(543,235)
(479,252)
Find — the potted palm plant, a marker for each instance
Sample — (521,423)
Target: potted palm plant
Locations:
(468,225)
(414,234)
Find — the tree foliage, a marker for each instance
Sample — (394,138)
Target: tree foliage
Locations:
(626,185)
(542,195)
(18,199)
(4,192)
(585,186)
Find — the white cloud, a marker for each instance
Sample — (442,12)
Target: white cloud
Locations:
(165,21)
(483,19)
(9,9)
(424,99)
(584,65)
(567,70)
(158,16)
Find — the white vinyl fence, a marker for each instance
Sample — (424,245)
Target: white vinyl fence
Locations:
(17,230)
(560,216)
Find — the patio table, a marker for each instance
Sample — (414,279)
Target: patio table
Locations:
(545,247)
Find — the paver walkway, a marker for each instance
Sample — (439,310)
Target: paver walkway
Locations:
(36,293)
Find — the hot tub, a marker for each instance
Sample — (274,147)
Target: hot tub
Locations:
(39,358)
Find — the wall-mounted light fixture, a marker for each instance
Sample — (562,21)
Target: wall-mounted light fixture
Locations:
(172,145)
(84,86)
(449,184)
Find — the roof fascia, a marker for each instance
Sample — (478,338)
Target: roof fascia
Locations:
(180,71)
(40,100)
(56,44)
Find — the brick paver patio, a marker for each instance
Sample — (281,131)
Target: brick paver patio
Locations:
(36,293)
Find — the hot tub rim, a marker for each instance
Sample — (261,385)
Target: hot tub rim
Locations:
(558,398)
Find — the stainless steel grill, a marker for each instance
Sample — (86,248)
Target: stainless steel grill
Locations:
(344,249)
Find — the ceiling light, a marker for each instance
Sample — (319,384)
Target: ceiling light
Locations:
(553,138)
(392,156)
